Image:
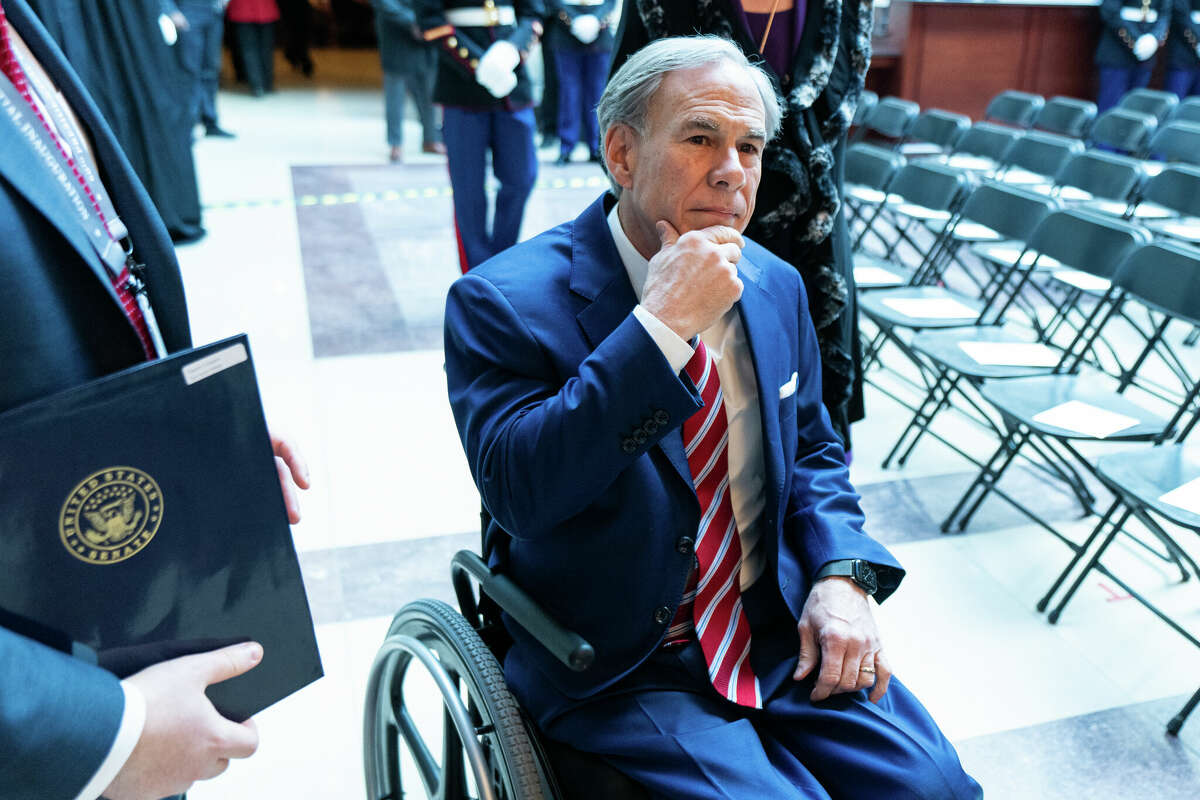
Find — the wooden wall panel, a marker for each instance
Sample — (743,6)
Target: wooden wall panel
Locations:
(959,56)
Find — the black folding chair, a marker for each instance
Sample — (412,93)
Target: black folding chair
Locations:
(1188,110)
(1174,142)
(1160,105)
(1122,130)
(935,132)
(1066,116)
(867,101)
(890,119)
(1177,190)
(982,149)
(1100,181)
(1036,158)
(1018,109)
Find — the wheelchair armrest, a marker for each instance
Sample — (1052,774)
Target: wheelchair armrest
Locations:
(567,646)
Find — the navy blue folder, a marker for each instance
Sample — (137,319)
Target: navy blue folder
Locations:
(141,516)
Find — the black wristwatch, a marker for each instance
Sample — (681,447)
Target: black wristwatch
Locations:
(857,570)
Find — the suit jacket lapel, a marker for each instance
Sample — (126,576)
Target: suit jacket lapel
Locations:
(758,312)
(25,173)
(598,276)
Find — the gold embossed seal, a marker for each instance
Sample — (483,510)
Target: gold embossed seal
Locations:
(111,515)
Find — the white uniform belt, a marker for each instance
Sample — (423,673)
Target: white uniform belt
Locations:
(583,2)
(481,17)
(1135,15)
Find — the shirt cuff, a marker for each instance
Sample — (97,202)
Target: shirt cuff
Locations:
(132,721)
(676,350)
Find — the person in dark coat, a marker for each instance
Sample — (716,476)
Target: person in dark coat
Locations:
(200,53)
(1183,49)
(816,53)
(409,62)
(253,24)
(582,35)
(1131,35)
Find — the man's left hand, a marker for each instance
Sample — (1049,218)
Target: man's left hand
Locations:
(293,472)
(837,630)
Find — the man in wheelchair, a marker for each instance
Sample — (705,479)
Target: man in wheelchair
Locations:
(638,395)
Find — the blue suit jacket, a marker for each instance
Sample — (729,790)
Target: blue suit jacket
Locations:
(61,325)
(570,417)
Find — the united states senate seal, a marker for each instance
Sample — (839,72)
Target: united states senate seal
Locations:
(111,515)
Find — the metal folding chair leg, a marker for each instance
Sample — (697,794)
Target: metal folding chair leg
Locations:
(1177,721)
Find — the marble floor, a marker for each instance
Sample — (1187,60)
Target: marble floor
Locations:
(336,265)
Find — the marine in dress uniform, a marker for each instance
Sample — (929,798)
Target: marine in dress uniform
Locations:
(1183,49)
(1133,31)
(487,98)
(582,36)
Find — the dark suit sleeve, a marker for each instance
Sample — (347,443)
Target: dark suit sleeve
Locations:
(823,521)
(541,450)
(58,719)
(1181,18)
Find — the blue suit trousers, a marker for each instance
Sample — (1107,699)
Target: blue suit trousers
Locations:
(469,135)
(581,79)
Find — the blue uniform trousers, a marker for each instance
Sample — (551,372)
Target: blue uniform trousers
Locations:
(581,79)
(200,47)
(1183,82)
(468,136)
(1116,81)
(667,728)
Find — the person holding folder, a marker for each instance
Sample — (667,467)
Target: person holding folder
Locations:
(91,286)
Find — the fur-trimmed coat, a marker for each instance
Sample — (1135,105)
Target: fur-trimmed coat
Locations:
(797,215)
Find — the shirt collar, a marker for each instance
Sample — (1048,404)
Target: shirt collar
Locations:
(635,265)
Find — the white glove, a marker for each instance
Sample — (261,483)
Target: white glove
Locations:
(1145,46)
(585,28)
(495,70)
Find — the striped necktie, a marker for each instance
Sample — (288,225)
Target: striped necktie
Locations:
(721,624)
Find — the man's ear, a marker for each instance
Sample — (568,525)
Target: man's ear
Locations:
(620,151)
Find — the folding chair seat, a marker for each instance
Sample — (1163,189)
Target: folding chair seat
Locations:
(867,100)
(982,149)
(920,191)
(1160,105)
(869,173)
(1188,110)
(935,132)
(1055,413)
(1018,109)
(1122,130)
(1065,116)
(1036,158)
(890,119)
(959,360)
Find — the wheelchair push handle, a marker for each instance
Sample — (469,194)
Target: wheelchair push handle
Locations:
(567,646)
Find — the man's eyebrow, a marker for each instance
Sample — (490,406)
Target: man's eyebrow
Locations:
(711,125)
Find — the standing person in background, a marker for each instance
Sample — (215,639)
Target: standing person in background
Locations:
(547,107)
(487,101)
(816,54)
(1183,49)
(73,312)
(295,29)
(1132,32)
(408,63)
(200,43)
(254,31)
(582,36)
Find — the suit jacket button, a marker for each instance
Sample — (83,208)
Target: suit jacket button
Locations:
(629,445)
(661,417)
(684,545)
(662,615)
(650,427)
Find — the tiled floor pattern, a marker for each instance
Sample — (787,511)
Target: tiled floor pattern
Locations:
(342,302)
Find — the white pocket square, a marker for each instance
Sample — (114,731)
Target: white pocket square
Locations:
(789,388)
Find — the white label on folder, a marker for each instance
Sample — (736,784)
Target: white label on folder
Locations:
(1084,418)
(931,307)
(1186,497)
(211,365)
(1011,354)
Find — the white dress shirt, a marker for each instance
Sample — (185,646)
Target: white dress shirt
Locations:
(727,345)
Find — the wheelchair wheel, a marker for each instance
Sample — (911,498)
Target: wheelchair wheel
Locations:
(484,738)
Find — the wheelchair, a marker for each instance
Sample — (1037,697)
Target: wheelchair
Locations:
(489,749)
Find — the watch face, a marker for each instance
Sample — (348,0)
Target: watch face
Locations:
(864,576)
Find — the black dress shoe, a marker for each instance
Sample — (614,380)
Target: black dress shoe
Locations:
(217,130)
(563,158)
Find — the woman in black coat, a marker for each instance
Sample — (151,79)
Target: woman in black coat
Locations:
(817,53)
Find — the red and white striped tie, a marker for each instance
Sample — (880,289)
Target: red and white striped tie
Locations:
(721,624)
